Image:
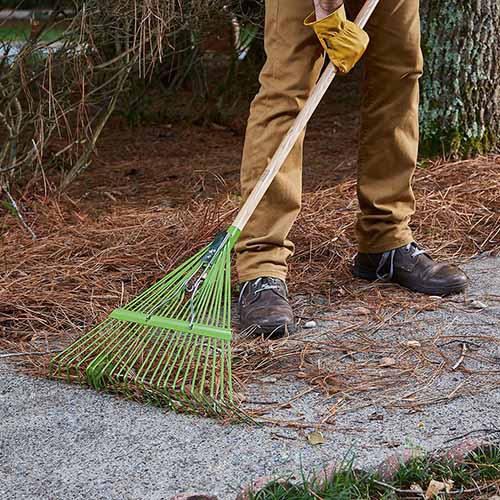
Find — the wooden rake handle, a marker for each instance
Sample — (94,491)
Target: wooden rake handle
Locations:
(293,134)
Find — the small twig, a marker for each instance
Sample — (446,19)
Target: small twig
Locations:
(254,402)
(467,342)
(475,431)
(27,353)
(315,495)
(282,436)
(462,357)
(19,214)
(396,490)
(84,159)
(289,423)
(457,388)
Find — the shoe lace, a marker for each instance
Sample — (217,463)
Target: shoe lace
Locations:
(261,285)
(389,257)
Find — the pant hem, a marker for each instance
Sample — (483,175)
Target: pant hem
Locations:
(262,272)
(386,245)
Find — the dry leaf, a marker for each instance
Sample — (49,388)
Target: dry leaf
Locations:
(436,487)
(362,311)
(449,485)
(316,438)
(310,324)
(413,343)
(417,488)
(387,362)
(477,304)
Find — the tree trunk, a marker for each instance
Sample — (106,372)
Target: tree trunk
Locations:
(460,113)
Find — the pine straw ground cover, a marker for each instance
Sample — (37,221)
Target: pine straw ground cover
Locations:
(95,251)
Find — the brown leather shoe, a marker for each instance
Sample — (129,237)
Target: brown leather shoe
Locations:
(411,267)
(264,309)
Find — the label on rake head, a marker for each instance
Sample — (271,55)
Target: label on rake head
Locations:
(215,246)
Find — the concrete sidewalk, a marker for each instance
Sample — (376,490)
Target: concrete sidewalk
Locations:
(66,442)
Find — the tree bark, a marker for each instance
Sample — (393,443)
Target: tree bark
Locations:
(460,95)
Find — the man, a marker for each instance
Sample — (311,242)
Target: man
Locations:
(386,163)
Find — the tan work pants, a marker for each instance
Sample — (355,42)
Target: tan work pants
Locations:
(388,137)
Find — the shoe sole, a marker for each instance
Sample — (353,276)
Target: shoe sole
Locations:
(372,276)
(271,331)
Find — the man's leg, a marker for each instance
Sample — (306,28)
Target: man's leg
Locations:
(388,154)
(389,125)
(294,60)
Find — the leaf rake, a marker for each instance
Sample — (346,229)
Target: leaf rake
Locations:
(171,345)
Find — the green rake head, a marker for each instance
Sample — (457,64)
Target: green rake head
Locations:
(171,345)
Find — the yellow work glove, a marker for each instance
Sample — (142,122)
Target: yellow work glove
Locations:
(344,41)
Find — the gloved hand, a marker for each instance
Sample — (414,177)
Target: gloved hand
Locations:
(344,41)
